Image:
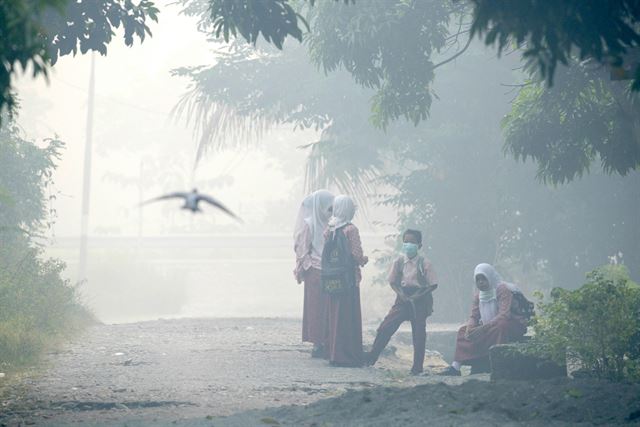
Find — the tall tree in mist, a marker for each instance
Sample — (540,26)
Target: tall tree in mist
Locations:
(392,46)
(446,176)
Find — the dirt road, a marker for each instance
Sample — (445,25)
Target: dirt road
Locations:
(183,369)
(225,372)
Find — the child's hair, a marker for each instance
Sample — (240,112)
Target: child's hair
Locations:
(416,233)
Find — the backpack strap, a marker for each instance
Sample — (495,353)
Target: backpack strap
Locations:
(422,275)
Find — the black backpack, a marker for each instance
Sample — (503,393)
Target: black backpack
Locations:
(338,268)
(521,306)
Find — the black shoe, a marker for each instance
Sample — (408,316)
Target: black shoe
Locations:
(450,372)
(416,371)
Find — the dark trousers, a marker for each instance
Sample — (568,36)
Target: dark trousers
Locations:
(417,313)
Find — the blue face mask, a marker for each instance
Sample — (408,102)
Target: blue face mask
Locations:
(411,249)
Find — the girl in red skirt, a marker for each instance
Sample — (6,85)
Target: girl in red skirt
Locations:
(312,221)
(344,341)
(491,322)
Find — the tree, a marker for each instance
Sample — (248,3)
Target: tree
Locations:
(275,20)
(37,306)
(25,173)
(583,119)
(552,33)
(34,33)
(250,90)
(390,46)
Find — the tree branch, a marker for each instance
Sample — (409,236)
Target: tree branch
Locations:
(466,46)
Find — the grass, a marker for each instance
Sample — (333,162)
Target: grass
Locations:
(38,309)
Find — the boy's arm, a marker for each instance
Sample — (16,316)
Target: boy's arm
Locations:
(422,291)
(432,280)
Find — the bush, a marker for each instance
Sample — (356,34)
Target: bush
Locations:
(37,307)
(597,325)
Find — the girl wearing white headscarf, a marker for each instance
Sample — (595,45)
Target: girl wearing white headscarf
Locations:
(491,322)
(313,216)
(344,342)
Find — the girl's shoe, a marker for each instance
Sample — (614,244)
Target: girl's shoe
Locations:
(415,371)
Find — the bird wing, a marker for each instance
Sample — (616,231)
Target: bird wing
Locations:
(218,205)
(176,195)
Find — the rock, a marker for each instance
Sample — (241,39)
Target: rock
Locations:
(516,361)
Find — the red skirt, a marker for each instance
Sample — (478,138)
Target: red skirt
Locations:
(345,329)
(503,331)
(314,314)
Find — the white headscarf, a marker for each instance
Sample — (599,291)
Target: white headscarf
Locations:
(343,211)
(304,212)
(314,213)
(488,298)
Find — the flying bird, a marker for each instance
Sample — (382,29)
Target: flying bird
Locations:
(192,199)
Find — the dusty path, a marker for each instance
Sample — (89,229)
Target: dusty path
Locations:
(184,369)
(254,372)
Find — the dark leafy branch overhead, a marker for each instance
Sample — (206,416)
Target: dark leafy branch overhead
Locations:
(583,119)
(548,32)
(387,46)
(552,32)
(35,33)
(275,20)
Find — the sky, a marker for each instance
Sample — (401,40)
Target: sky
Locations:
(135,139)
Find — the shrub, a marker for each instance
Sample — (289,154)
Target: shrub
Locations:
(37,307)
(598,324)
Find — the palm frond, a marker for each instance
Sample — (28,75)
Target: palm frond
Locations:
(353,170)
(218,126)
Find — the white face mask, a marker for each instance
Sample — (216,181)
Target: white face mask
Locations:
(411,249)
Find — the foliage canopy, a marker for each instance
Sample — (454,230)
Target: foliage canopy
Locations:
(553,33)
(391,47)
(584,118)
(34,33)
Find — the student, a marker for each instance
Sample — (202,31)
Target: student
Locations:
(312,220)
(492,321)
(344,342)
(413,279)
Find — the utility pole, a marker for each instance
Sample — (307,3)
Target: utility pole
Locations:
(86,178)
(140,200)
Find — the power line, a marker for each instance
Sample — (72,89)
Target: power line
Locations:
(112,99)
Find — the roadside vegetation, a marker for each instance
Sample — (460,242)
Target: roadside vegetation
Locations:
(38,307)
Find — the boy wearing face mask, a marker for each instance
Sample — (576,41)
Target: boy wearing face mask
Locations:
(412,278)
